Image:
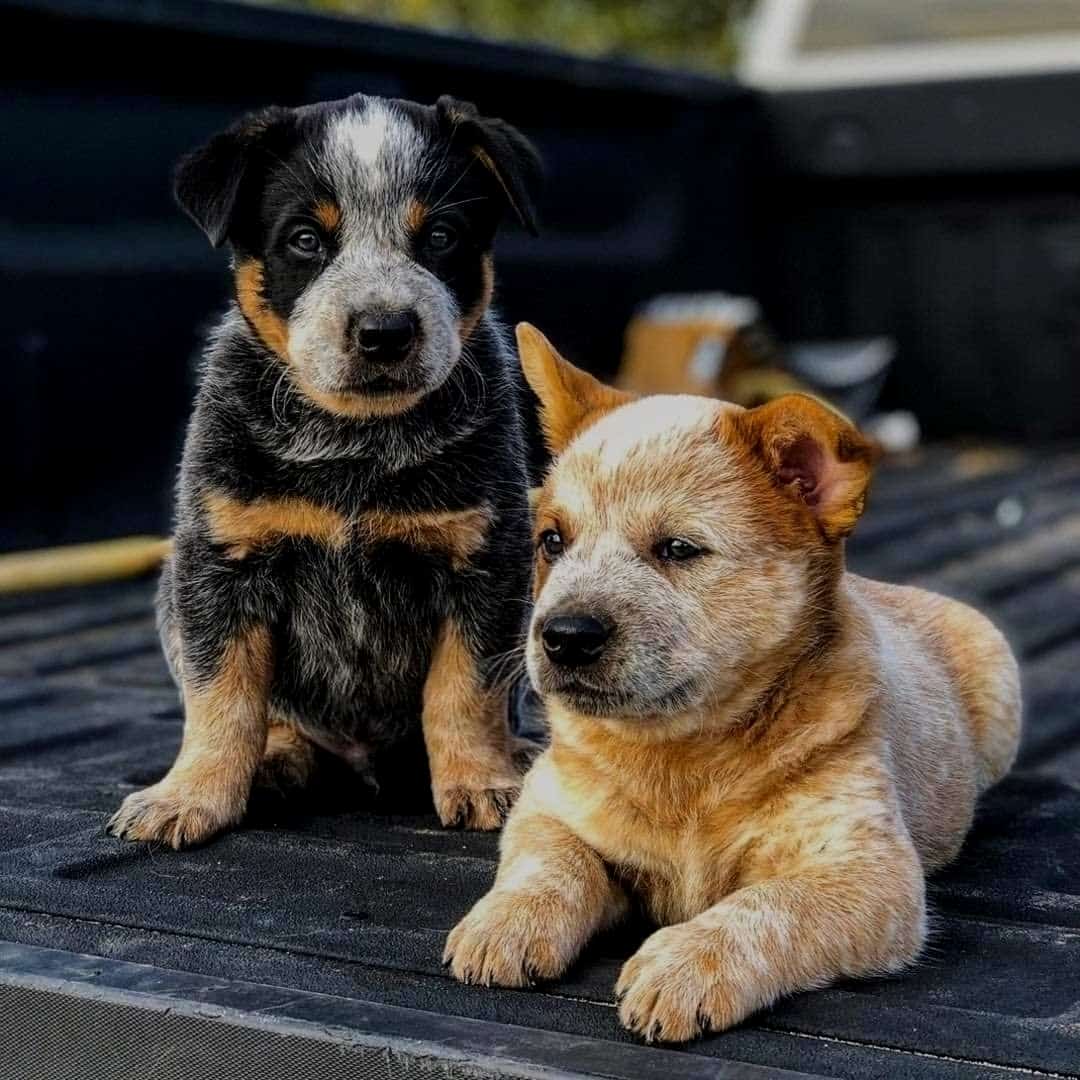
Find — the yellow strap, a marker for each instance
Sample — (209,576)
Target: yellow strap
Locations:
(81,564)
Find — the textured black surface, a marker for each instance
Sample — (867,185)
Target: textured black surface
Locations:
(346,899)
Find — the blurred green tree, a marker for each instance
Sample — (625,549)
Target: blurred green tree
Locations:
(683,33)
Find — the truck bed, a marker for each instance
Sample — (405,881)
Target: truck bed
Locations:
(308,942)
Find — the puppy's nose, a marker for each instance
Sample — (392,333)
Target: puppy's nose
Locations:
(383,336)
(574,640)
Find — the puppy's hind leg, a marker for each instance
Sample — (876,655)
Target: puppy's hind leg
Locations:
(288,762)
(989,681)
(167,627)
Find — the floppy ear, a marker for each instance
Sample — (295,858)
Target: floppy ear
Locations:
(502,150)
(207,180)
(815,454)
(570,399)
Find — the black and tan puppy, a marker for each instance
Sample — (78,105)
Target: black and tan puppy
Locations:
(351,553)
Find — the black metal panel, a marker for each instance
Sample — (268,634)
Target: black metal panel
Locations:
(110,288)
(88,1018)
(948,216)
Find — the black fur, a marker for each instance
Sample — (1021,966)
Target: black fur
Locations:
(353,627)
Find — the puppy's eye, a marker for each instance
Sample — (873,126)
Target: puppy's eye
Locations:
(675,549)
(552,543)
(442,238)
(305,242)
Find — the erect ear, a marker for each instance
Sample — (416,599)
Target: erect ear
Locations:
(207,180)
(570,399)
(502,150)
(815,454)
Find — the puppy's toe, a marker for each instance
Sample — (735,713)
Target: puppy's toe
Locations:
(165,814)
(674,988)
(476,808)
(504,941)
(660,1003)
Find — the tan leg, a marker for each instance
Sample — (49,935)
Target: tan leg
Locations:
(551,895)
(207,788)
(473,777)
(289,759)
(797,931)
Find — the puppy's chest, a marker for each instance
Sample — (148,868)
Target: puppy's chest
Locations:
(677,854)
(377,600)
(359,598)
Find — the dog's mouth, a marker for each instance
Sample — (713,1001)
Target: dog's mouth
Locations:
(590,699)
(380,386)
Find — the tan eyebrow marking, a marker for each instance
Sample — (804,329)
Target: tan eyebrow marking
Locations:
(328,215)
(415,214)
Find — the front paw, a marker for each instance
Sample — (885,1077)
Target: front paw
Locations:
(510,939)
(477,804)
(684,981)
(173,813)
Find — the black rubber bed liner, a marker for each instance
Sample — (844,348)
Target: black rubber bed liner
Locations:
(308,942)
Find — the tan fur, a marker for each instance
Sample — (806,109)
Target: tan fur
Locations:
(415,215)
(244,527)
(468,322)
(359,408)
(547,879)
(328,215)
(774,430)
(570,400)
(457,533)
(288,760)
(271,328)
(823,752)
(225,732)
(473,778)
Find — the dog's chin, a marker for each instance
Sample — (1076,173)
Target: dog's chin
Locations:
(363,405)
(613,702)
(381,386)
(369,395)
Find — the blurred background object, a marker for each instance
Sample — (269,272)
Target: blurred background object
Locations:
(687,33)
(717,345)
(800,43)
(939,212)
(693,344)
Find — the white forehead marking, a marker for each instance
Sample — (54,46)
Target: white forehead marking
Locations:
(372,153)
(357,138)
(662,416)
